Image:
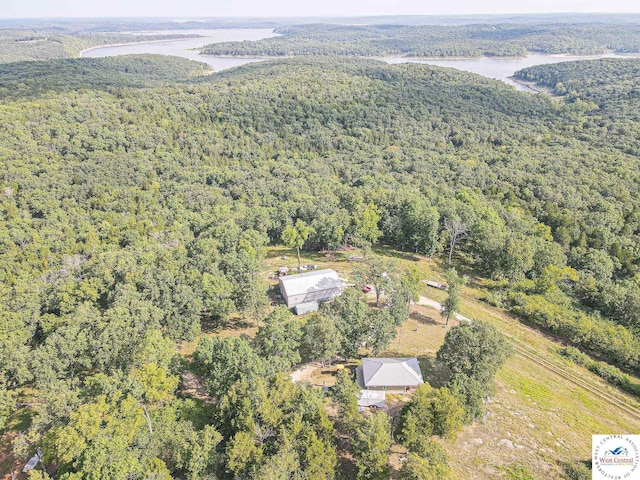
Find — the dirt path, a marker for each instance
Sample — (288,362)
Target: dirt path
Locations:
(437,306)
(305,372)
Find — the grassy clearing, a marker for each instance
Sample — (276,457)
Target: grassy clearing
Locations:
(536,417)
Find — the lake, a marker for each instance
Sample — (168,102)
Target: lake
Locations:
(496,67)
(491,67)
(184,48)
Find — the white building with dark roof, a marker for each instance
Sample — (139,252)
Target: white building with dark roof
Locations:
(314,286)
(394,374)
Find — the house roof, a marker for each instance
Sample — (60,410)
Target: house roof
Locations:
(391,372)
(307,282)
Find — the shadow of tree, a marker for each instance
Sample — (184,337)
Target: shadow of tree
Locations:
(433,373)
(424,319)
(215,325)
(390,252)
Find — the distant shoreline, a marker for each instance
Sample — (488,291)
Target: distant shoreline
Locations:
(608,54)
(431,59)
(533,86)
(109,45)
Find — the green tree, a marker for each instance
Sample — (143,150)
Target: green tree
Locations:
(278,340)
(223,361)
(344,395)
(516,258)
(7,404)
(370,445)
(367,232)
(321,339)
(430,412)
(276,428)
(426,460)
(294,236)
(98,441)
(476,350)
(451,305)
(471,393)
(249,287)
(217,293)
(351,316)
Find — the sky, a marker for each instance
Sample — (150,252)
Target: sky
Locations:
(278,8)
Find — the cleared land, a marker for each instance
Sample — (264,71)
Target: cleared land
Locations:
(545,408)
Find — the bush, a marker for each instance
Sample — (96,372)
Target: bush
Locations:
(577,471)
(608,372)
(588,331)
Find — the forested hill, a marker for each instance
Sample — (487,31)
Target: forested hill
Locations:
(30,79)
(508,39)
(611,87)
(50,42)
(129,214)
(320,139)
(611,83)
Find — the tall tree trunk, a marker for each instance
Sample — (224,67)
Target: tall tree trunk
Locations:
(298,250)
(453,244)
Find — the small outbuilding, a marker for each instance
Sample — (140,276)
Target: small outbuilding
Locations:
(314,286)
(372,399)
(307,307)
(390,374)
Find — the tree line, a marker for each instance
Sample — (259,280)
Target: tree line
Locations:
(495,40)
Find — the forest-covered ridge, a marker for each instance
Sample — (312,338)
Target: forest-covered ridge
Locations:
(500,39)
(610,87)
(131,214)
(48,43)
(31,79)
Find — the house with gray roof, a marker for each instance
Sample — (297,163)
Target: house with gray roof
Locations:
(314,286)
(390,374)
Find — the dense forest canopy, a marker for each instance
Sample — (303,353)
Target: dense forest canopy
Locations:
(501,40)
(30,79)
(130,213)
(46,44)
(609,87)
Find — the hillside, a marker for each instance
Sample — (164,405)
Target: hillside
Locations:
(31,79)
(138,205)
(610,89)
(493,39)
(45,42)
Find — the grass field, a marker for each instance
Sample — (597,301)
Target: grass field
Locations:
(536,418)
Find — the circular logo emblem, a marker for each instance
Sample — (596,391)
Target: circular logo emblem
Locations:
(616,457)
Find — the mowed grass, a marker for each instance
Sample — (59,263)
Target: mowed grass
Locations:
(535,417)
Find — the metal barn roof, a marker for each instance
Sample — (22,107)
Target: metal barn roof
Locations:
(307,282)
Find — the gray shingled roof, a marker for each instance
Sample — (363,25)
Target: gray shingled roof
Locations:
(391,372)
